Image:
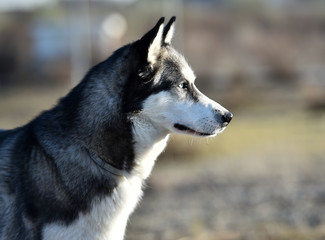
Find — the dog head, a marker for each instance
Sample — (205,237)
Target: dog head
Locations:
(163,92)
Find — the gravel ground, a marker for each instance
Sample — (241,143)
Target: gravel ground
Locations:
(249,197)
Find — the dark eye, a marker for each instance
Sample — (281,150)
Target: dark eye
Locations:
(183,85)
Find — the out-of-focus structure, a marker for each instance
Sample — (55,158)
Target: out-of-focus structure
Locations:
(248,47)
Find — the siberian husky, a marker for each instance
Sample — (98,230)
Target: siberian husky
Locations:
(76,171)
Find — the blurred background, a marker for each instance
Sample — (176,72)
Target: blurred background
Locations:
(264,177)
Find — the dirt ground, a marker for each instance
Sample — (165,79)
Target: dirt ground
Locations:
(244,198)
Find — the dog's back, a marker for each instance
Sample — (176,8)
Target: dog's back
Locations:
(9,179)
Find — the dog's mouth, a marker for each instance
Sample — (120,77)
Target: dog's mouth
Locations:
(186,129)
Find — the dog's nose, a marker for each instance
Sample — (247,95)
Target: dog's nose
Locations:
(227,117)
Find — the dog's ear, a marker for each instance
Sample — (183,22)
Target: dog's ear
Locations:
(169,31)
(152,41)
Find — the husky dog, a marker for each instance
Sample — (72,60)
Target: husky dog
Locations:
(75,172)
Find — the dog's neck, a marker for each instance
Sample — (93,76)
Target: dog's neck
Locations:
(149,142)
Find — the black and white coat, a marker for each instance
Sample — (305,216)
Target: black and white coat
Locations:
(76,171)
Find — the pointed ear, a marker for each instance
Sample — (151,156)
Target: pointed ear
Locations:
(169,31)
(152,41)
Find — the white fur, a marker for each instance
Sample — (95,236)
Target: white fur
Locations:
(150,141)
(155,46)
(170,34)
(205,101)
(165,109)
(187,72)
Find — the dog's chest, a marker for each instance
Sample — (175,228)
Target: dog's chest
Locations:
(107,218)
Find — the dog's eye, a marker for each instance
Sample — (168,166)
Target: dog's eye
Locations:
(183,85)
